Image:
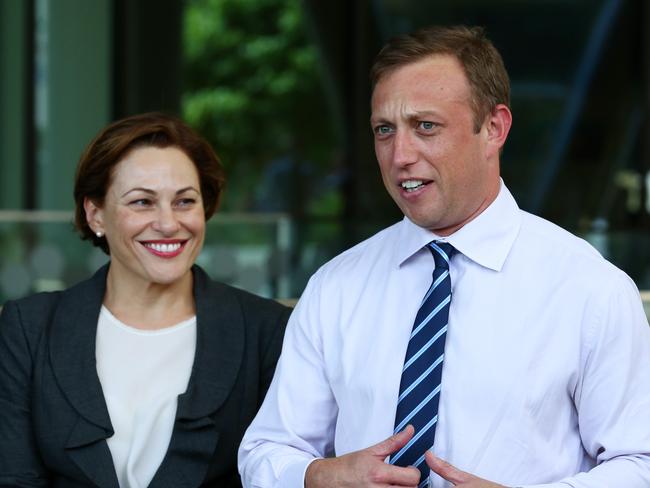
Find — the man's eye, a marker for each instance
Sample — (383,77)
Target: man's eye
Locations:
(426,125)
(382,130)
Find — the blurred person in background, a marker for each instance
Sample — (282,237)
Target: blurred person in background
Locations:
(148,373)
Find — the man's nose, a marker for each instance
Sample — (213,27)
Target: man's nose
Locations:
(404,151)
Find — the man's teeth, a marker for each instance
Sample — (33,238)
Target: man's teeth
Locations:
(164,247)
(412,185)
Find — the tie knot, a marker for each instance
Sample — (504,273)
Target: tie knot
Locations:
(442,253)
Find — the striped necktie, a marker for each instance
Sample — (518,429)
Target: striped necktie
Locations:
(419,391)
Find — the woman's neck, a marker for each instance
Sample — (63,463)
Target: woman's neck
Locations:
(146,305)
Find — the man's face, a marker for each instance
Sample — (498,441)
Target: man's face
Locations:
(439,171)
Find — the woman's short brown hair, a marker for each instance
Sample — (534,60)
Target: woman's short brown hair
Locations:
(482,63)
(112,144)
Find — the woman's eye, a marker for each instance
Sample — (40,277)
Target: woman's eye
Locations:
(185,202)
(141,202)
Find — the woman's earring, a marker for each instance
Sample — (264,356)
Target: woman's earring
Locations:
(99,234)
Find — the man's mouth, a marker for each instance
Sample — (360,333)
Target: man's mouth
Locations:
(413,185)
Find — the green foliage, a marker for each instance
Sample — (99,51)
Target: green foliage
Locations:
(253,87)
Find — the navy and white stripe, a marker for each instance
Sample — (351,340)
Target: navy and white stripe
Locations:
(419,392)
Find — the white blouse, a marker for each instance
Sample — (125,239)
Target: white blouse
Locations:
(142,372)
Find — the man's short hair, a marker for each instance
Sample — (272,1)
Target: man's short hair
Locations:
(482,63)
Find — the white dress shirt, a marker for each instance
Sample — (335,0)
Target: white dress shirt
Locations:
(546,376)
(142,372)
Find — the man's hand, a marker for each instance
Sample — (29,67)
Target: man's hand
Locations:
(458,478)
(365,468)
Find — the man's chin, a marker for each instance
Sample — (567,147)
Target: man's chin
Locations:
(437,226)
(426,222)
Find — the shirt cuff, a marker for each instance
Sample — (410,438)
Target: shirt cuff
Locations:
(293,475)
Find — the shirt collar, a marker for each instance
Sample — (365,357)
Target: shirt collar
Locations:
(486,240)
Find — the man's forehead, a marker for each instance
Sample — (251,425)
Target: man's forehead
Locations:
(422,84)
(437,68)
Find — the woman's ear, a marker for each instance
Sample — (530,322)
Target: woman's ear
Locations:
(94,216)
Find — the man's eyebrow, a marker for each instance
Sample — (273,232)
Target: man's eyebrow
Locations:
(416,114)
(378,120)
(423,113)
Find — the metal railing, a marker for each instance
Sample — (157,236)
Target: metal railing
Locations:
(40,251)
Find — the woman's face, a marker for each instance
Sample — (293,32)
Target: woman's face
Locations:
(152,216)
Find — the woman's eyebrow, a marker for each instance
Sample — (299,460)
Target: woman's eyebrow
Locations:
(138,188)
(152,192)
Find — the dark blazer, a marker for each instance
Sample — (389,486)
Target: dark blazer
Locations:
(53,418)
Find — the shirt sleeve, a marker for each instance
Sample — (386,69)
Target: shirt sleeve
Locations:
(295,424)
(613,395)
(20,463)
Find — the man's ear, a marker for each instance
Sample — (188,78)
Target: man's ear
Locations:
(498,127)
(94,216)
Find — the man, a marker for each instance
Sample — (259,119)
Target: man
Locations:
(537,363)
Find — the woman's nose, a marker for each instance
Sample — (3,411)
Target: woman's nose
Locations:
(166,221)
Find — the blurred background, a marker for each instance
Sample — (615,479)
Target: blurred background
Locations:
(280,88)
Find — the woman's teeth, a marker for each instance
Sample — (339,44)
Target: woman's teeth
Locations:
(164,247)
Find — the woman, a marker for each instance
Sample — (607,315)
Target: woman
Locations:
(148,373)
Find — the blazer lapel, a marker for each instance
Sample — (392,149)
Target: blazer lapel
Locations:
(72,356)
(218,358)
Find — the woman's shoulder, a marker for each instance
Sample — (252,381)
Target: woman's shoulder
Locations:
(239,308)
(252,301)
(38,308)
(37,304)
(29,317)
(245,319)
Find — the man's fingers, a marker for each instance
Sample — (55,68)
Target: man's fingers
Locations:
(360,468)
(397,476)
(392,444)
(446,470)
